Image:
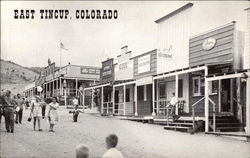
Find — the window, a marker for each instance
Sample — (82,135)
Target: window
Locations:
(162,90)
(127,95)
(213,87)
(140,93)
(149,92)
(196,86)
(180,88)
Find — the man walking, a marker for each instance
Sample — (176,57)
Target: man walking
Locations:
(19,113)
(8,107)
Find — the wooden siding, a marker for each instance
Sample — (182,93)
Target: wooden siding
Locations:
(144,108)
(129,108)
(222,51)
(153,66)
(200,107)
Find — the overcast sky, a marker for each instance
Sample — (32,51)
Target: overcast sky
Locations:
(30,42)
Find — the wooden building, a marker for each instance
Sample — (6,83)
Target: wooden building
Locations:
(66,82)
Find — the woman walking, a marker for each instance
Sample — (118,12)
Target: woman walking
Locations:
(36,111)
(53,114)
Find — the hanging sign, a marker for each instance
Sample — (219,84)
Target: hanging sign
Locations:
(144,64)
(208,43)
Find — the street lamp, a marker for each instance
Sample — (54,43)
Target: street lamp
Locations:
(64,87)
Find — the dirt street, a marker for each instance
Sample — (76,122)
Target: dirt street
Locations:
(136,140)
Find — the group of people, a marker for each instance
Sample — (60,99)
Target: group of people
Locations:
(13,106)
(37,112)
(9,107)
(82,151)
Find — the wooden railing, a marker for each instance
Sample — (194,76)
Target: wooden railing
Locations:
(193,109)
(120,108)
(108,107)
(214,114)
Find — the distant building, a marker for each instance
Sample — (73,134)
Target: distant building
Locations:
(69,80)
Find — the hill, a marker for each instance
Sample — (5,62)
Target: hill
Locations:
(14,77)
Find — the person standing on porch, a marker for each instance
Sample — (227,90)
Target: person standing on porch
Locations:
(173,103)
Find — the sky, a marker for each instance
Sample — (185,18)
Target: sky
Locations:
(30,42)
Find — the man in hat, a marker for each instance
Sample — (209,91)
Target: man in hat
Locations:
(19,113)
(8,107)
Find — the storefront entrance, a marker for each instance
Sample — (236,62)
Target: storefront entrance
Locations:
(226,96)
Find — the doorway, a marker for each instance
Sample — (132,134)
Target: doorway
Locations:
(225,95)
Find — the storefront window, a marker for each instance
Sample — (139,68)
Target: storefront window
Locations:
(127,95)
(149,92)
(162,90)
(140,93)
(196,86)
(180,88)
(213,87)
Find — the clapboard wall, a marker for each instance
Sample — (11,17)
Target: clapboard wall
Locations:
(221,52)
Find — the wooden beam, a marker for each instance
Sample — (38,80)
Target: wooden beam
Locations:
(153,97)
(206,103)
(181,72)
(135,100)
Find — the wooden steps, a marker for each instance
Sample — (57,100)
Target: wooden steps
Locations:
(225,124)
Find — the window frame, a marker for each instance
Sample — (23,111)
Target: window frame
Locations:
(199,86)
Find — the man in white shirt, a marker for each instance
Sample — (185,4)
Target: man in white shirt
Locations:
(75,102)
(173,103)
(111,143)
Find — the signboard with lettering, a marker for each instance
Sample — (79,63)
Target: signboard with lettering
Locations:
(123,66)
(107,71)
(85,70)
(144,64)
(165,53)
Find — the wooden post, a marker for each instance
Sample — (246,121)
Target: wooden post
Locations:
(135,99)
(176,93)
(231,95)
(206,101)
(124,100)
(248,104)
(153,97)
(219,95)
(76,87)
(92,98)
(60,86)
(102,100)
(157,97)
(83,98)
(113,99)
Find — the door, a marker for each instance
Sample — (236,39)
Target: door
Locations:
(225,96)
(170,89)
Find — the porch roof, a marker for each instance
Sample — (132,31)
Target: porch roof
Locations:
(228,75)
(180,71)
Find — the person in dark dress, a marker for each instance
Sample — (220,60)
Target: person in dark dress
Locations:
(9,108)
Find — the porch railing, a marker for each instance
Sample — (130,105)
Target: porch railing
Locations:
(214,114)
(108,108)
(119,108)
(193,109)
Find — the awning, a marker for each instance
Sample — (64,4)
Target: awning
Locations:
(144,81)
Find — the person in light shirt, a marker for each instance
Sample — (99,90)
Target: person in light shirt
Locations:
(75,102)
(173,103)
(111,143)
